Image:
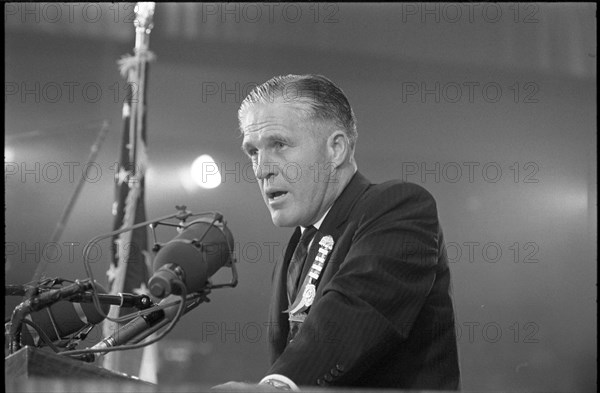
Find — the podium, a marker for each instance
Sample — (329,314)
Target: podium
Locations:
(33,370)
(30,367)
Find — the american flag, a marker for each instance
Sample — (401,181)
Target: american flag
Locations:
(131,261)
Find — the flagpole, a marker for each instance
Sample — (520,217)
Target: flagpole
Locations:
(143,26)
(130,263)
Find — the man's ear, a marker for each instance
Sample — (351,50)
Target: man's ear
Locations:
(338,146)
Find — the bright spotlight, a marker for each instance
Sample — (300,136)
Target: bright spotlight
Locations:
(205,172)
(9,154)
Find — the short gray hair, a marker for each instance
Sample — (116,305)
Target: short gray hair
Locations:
(322,97)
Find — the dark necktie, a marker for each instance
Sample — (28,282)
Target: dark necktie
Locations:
(297,262)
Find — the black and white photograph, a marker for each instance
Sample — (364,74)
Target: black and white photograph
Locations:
(310,196)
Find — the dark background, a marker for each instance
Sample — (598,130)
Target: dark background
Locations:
(491,107)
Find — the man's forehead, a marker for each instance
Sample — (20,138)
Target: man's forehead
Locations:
(268,131)
(273,111)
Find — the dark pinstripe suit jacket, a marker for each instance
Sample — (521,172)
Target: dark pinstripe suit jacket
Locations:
(383,314)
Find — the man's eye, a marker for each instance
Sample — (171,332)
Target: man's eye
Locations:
(279,145)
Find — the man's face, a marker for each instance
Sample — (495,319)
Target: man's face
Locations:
(290,159)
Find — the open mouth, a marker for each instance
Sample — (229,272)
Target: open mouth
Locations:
(274,196)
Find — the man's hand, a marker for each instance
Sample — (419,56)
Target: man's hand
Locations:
(244,387)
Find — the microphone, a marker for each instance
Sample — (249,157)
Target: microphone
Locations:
(140,327)
(62,319)
(192,257)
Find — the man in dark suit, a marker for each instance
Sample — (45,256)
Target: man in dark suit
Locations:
(362,297)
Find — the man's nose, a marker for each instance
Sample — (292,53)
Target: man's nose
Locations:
(265,168)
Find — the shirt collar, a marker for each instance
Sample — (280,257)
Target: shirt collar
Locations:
(318,223)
